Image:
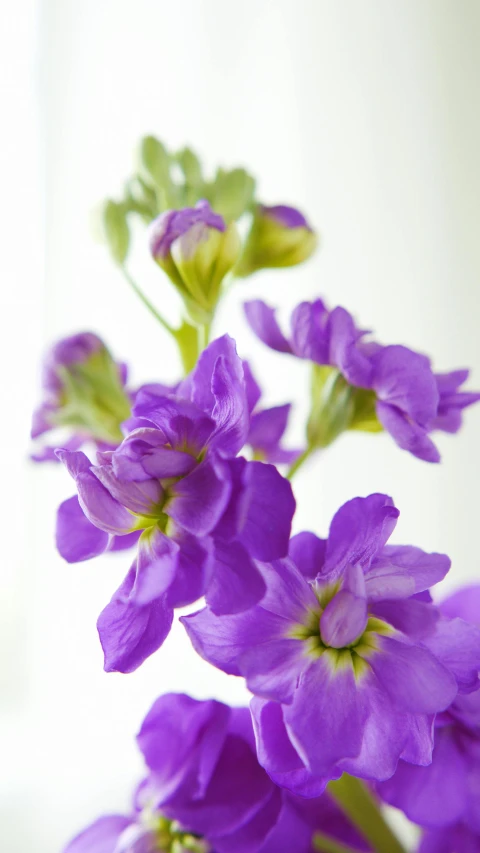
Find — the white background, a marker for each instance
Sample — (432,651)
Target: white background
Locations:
(365,115)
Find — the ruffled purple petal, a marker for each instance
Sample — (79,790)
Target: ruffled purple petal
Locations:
(129,634)
(77,539)
(230,411)
(412,677)
(344,619)
(247,838)
(252,388)
(101,836)
(404,380)
(358,531)
(308,553)
(457,645)
(236,584)
(407,434)
(196,502)
(97,503)
(345,352)
(193,569)
(400,571)
(417,619)
(326,718)
(465,603)
(310,337)
(263,323)
(434,795)
(156,566)
(288,593)
(277,754)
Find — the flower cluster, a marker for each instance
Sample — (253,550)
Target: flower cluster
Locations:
(364,691)
(205,792)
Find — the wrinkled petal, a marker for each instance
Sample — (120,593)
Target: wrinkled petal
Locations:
(345,353)
(264,524)
(236,584)
(140,497)
(412,677)
(310,338)
(193,568)
(404,379)
(263,323)
(465,603)
(288,593)
(77,539)
(197,501)
(143,455)
(252,388)
(268,426)
(457,645)
(434,795)
(402,570)
(358,531)
(308,553)
(277,754)
(156,566)
(343,620)
(97,503)
(100,837)
(230,411)
(407,434)
(326,718)
(248,837)
(416,619)
(130,633)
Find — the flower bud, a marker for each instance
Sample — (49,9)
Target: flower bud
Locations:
(83,390)
(336,406)
(280,236)
(196,250)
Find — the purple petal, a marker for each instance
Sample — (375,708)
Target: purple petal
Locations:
(343,620)
(222,640)
(197,501)
(310,338)
(263,323)
(100,837)
(434,795)
(326,718)
(156,567)
(288,593)
(123,543)
(457,645)
(268,426)
(345,352)
(265,527)
(140,497)
(277,754)
(128,633)
(465,603)
(143,454)
(236,584)
(408,435)
(308,553)
(412,677)
(404,379)
(253,832)
(416,619)
(400,571)
(181,739)
(198,387)
(193,568)
(230,411)
(358,531)
(252,388)
(97,503)
(76,538)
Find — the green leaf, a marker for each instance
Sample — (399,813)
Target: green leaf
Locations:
(116,230)
(155,161)
(231,193)
(190,166)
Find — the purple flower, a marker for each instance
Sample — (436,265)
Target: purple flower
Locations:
(267,426)
(196,250)
(206,791)
(454,839)
(344,643)
(280,236)
(447,792)
(362,385)
(202,514)
(84,393)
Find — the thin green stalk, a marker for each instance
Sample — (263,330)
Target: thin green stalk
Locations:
(299,462)
(361,808)
(133,284)
(325,844)
(203,336)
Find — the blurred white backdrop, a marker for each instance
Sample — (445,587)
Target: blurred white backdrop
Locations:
(366,116)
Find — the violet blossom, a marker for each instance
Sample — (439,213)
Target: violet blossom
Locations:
(363,385)
(203,514)
(206,792)
(346,643)
(267,426)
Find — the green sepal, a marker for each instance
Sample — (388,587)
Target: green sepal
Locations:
(116,230)
(337,406)
(231,194)
(187,340)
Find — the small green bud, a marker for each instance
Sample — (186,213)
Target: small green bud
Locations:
(279,237)
(338,406)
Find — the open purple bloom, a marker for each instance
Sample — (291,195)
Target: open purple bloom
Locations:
(84,394)
(344,642)
(207,793)
(267,426)
(363,385)
(447,792)
(203,515)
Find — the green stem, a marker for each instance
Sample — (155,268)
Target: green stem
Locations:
(360,806)
(203,336)
(133,284)
(299,462)
(325,844)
